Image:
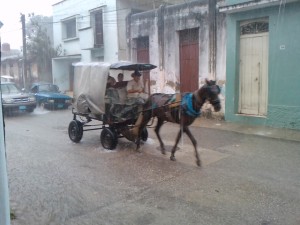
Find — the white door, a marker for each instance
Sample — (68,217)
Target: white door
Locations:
(253,85)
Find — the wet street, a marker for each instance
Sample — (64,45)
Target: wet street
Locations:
(244,180)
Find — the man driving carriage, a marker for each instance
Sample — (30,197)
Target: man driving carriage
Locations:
(135,87)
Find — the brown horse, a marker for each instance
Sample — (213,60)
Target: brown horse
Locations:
(178,108)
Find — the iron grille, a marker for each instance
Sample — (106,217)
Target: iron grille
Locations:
(254,28)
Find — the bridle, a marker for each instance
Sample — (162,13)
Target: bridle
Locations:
(211,89)
(216,101)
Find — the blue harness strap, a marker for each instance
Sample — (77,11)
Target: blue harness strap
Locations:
(187,105)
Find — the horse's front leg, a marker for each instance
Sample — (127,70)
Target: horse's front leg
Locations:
(160,122)
(188,132)
(138,144)
(172,157)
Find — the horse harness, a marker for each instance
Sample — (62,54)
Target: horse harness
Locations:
(184,103)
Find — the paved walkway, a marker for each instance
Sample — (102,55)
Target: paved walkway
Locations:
(280,133)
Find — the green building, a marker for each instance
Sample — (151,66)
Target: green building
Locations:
(263,62)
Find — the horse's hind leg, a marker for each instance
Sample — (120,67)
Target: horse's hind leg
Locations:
(140,126)
(172,157)
(160,122)
(188,132)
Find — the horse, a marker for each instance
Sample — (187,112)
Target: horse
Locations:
(181,108)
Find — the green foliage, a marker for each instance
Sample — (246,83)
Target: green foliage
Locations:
(39,45)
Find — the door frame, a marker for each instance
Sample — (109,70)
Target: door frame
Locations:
(191,41)
(261,30)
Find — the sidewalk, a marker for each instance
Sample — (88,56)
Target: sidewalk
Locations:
(280,133)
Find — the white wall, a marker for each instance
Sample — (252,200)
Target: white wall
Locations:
(176,18)
(82,44)
(66,9)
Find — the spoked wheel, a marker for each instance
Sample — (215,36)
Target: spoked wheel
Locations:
(144,134)
(75,130)
(109,138)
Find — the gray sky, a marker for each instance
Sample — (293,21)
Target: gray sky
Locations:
(11,32)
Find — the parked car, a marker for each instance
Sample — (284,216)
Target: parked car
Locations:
(48,96)
(13,99)
(7,78)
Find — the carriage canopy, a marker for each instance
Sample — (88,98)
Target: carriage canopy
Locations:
(90,81)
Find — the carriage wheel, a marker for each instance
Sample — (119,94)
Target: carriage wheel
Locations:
(144,134)
(75,130)
(108,138)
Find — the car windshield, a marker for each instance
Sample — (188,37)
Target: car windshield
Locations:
(9,89)
(48,88)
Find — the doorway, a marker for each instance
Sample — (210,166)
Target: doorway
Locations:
(253,68)
(143,57)
(189,59)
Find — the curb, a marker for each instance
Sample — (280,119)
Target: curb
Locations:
(278,133)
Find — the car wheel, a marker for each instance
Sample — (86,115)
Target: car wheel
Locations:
(109,138)
(30,110)
(75,131)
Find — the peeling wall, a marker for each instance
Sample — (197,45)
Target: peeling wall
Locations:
(163,25)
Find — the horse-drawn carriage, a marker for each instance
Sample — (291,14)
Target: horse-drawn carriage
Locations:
(94,101)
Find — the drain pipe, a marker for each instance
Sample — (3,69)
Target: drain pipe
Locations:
(4,199)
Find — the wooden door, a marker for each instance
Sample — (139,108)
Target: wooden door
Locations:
(189,60)
(253,85)
(143,57)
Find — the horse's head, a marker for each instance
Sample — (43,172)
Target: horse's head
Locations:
(210,92)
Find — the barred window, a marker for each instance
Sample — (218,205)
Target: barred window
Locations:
(254,28)
(97,24)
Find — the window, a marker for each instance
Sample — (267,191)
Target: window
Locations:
(254,27)
(97,24)
(69,28)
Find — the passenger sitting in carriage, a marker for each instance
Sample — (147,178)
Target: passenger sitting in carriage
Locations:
(135,88)
(111,81)
(111,92)
(121,88)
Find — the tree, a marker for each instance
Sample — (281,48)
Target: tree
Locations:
(39,35)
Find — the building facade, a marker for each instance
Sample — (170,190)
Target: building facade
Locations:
(263,67)
(251,47)
(186,41)
(91,31)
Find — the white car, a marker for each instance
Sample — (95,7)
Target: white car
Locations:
(15,100)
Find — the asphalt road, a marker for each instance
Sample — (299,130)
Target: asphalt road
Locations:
(244,179)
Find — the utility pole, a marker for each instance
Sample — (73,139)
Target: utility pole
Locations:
(24,52)
(4,196)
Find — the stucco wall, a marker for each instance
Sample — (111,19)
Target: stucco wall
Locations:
(62,74)
(82,44)
(67,9)
(284,68)
(163,26)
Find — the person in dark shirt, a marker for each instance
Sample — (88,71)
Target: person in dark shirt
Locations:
(121,83)
(120,86)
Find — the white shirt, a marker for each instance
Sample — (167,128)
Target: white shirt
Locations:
(133,85)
